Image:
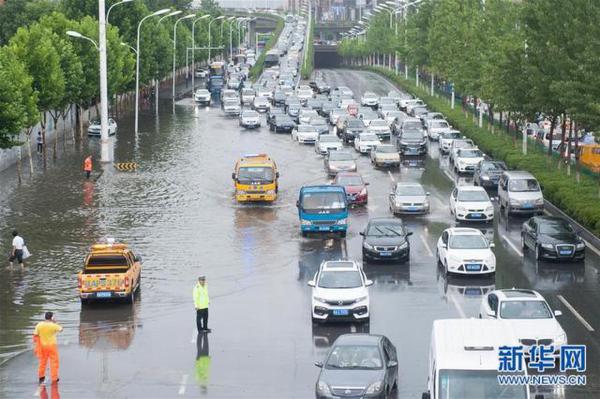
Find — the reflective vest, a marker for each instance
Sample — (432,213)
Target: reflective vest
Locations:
(201,296)
(87,164)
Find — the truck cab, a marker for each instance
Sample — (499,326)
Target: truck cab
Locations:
(255,178)
(110,271)
(464,360)
(323,209)
(589,156)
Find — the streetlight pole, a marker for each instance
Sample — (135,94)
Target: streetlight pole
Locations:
(113,6)
(209,34)
(175,51)
(137,63)
(194,49)
(156,80)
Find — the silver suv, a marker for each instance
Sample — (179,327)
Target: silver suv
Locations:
(520,192)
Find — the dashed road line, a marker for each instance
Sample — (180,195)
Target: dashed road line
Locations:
(391,176)
(513,246)
(182,387)
(576,313)
(448,175)
(426,245)
(459,308)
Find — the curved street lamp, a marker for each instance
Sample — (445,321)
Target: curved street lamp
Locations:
(175,50)
(114,5)
(194,48)
(209,34)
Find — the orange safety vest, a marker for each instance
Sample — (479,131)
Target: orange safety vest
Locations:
(87,164)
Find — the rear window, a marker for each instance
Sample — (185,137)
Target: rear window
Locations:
(106,264)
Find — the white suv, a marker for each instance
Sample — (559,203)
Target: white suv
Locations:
(340,292)
(464,251)
(472,204)
(529,314)
(466,159)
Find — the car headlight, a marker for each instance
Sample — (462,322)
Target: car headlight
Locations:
(323,388)
(514,202)
(270,192)
(453,261)
(461,209)
(241,192)
(333,167)
(561,339)
(375,387)
(366,245)
(539,201)
(360,299)
(548,246)
(319,299)
(485,177)
(581,245)
(363,192)
(489,209)
(404,245)
(342,221)
(306,222)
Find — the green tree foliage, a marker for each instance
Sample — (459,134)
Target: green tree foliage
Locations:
(18,109)
(15,14)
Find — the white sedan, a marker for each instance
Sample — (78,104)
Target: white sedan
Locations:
(472,204)
(305,134)
(381,128)
(365,142)
(528,313)
(249,119)
(95,130)
(465,251)
(326,143)
(466,159)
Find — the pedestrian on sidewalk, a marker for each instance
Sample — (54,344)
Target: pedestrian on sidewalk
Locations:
(18,244)
(201,301)
(46,348)
(40,143)
(87,166)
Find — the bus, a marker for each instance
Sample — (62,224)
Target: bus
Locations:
(216,76)
(271,58)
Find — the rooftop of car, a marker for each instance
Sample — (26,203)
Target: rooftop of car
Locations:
(385,220)
(470,188)
(518,174)
(358,339)
(464,231)
(518,294)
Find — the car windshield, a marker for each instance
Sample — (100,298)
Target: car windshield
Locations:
(255,174)
(323,201)
(555,227)
(462,144)
(328,138)
(386,149)
(409,191)
(412,125)
(318,122)
(480,384)
(439,124)
(202,91)
(378,122)
(420,110)
(386,229)
(468,241)
(473,196)
(231,102)
(453,135)
(306,128)
(340,279)
(524,310)
(412,135)
(341,156)
(522,185)
(249,114)
(362,357)
(345,180)
(248,92)
(491,166)
(368,137)
(470,154)
(355,123)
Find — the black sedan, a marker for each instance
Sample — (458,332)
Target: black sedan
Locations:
(358,366)
(385,239)
(271,117)
(552,238)
(487,173)
(283,124)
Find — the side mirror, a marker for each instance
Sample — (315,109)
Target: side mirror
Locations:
(492,315)
(138,258)
(319,364)
(426,395)
(367,183)
(277,175)
(492,245)
(311,283)
(444,245)
(409,233)
(297,204)
(428,194)
(557,313)
(369,283)
(233,175)
(392,363)
(362,233)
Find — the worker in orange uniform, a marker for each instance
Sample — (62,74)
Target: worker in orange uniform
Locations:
(46,347)
(87,166)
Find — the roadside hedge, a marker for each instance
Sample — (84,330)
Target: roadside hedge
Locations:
(259,66)
(578,195)
(308,66)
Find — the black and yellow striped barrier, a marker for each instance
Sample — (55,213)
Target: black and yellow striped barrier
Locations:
(126,166)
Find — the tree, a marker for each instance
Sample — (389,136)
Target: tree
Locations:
(15,14)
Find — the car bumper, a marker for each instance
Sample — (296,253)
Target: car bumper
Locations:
(520,209)
(232,112)
(413,151)
(325,312)
(488,183)
(327,228)
(104,295)
(410,209)
(203,100)
(250,125)
(388,163)
(307,140)
(284,129)
(467,269)
(261,109)
(255,197)
(475,216)
(374,396)
(465,168)
(553,254)
(398,254)
(357,199)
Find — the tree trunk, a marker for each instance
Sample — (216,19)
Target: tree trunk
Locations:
(576,145)
(44,150)
(29,151)
(553,122)
(508,122)
(55,141)
(570,138)
(563,136)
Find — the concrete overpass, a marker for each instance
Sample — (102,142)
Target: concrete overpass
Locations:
(331,30)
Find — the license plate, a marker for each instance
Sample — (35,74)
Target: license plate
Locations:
(340,312)
(567,252)
(528,205)
(386,253)
(103,294)
(323,228)
(476,215)
(473,267)
(411,208)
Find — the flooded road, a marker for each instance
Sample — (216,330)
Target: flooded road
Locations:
(178,212)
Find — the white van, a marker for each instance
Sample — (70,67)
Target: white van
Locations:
(520,192)
(463,360)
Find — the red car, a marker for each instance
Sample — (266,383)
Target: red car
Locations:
(355,186)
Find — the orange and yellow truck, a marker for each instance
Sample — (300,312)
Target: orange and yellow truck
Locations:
(255,178)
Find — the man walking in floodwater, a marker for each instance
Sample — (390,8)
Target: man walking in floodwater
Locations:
(87,166)
(201,303)
(46,348)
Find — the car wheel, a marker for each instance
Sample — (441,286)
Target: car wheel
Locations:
(85,301)
(523,245)
(475,183)
(305,234)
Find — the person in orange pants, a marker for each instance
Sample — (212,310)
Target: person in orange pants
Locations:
(46,347)
(87,166)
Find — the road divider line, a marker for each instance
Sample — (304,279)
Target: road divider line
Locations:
(448,175)
(576,313)
(426,245)
(513,246)
(459,308)
(391,176)
(183,384)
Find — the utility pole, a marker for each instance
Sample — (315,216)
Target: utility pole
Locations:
(105,150)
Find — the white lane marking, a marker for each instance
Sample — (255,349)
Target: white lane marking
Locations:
(429,251)
(183,384)
(344,249)
(448,175)
(576,313)
(513,246)
(459,308)
(37,391)
(391,176)
(194,337)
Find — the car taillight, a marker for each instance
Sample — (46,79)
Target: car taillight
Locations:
(126,282)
